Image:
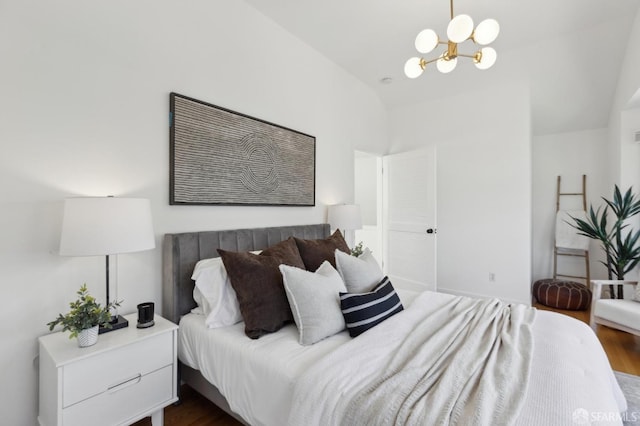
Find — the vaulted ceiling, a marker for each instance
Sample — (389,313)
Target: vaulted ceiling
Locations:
(569,52)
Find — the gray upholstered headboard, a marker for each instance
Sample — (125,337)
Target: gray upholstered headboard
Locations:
(181,252)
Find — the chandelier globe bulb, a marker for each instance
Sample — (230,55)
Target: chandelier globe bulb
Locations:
(445,66)
(426,41)
(413,67)
(460,28)
(488,58)
(486,32)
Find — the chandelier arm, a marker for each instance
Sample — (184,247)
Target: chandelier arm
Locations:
(451,7)
(429,61)
(467,56)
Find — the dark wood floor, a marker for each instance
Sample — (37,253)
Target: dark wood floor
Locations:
(623,350)
(193,410)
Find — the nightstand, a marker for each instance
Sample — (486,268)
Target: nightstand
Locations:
(129,374)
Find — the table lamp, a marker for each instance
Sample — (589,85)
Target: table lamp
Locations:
(104,226)
(346,217)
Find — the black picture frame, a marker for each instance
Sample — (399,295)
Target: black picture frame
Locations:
(223,157)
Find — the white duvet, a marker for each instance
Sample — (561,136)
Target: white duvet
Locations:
(571,381)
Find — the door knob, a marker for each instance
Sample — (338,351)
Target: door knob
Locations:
(431,231)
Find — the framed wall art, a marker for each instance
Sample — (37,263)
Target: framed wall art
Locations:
(219,156)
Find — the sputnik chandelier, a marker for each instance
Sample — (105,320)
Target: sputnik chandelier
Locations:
(459,30)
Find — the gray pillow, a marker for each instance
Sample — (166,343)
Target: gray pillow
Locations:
(360,274)
(314,298)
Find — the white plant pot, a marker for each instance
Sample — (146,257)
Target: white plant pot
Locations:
(88,337)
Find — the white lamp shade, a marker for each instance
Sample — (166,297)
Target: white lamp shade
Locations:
(345,216)
(106,225)
(412,68)
(460,28)
(489,56)
(486,32)
(445,66)
(426,41)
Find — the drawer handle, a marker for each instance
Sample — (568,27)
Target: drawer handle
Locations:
(129,382)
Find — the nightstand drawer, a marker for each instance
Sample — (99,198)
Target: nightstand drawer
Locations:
(97,374)
(133,397)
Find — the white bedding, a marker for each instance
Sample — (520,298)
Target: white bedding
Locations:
(451,363)
(571,376)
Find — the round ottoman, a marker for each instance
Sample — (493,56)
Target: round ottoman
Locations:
(562,294)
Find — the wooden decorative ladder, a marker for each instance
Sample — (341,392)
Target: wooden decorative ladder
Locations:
(568,252)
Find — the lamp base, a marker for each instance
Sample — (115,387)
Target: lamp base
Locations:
(116,324)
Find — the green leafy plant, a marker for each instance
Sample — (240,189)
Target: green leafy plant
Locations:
(619,244)
(357,250)
(85,313)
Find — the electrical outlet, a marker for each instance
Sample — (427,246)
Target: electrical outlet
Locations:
(492,277)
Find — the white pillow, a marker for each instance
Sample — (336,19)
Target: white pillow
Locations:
(314,298)
(636,294)
(214,295)
(360,274)
(197,296)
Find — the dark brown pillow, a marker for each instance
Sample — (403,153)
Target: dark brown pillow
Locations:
(286,251)
(314,252)
(257,282)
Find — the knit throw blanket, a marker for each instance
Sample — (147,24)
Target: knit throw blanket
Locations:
(460,361)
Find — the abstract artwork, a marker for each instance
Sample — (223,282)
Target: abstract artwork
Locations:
(218,156)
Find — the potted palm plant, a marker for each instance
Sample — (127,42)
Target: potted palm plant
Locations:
(620,245)
(85,317)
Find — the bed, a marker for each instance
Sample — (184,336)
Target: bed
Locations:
(270,381)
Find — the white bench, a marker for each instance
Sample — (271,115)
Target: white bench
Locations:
(621,314)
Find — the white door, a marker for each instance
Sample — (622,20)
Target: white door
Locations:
(409,216)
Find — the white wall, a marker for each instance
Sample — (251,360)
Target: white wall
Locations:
(85,98)
(629,161)
(607,156)
(365,170)
(624,121)
(483,142)
(629,149)
(569,155)
(624,160)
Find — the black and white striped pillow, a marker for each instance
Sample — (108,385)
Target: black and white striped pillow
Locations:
(366,310)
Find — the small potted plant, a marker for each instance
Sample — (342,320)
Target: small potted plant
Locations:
(357,250)
(85,317)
